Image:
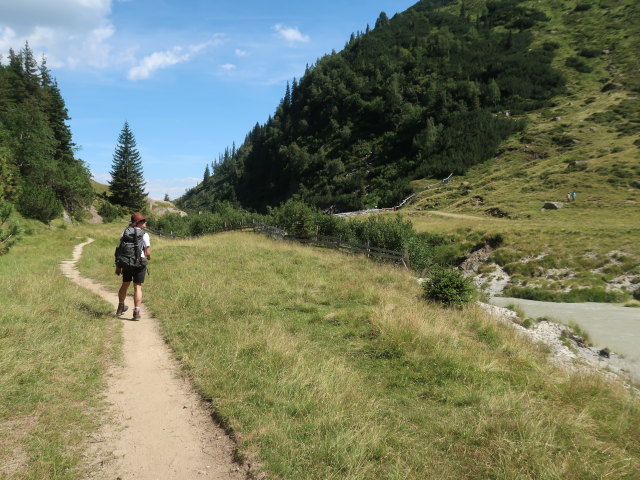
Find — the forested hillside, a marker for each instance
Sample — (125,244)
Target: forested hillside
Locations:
(433,90)
(39,172)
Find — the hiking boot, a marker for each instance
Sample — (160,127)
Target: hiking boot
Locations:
(121,309)
(136,314)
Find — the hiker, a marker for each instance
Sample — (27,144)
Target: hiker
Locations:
(132,263)
(569,197)
(573,195)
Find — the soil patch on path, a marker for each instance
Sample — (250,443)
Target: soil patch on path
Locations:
(160,427)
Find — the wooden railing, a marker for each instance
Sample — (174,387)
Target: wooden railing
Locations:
(404,202)
(322,241)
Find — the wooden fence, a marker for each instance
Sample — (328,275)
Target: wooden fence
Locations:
(322,241)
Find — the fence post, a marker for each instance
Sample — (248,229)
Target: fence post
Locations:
(368,249)
(338,244)
(405,258)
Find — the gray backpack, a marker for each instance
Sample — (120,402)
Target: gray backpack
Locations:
(128,253)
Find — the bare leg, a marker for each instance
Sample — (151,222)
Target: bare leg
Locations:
(122,293)
(137,295)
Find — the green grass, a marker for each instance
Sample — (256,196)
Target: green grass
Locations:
(55,343)
(328,366)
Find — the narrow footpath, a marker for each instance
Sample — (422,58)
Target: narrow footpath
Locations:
(159,429)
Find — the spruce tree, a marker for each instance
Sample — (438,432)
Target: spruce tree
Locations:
(127,180)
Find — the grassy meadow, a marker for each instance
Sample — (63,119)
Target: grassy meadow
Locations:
(328,366)
(55,344)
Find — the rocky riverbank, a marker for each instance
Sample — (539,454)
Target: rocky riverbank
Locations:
(567,349)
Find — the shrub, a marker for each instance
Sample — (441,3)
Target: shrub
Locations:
(390,233)
(109,211)
(173,224)
(206,223)
(39,202)
(449,287)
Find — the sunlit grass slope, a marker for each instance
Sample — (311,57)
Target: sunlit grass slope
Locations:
(329,366)
(586,141)
(55,343)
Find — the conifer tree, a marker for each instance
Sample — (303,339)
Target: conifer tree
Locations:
(127,179)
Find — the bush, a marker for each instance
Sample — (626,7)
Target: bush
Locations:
(172,224)
(109,211)
(449,287)
(39,202)
(296,217)
(390,233)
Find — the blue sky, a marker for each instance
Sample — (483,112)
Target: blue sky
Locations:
(191,77)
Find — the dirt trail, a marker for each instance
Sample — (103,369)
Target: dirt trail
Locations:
(161,429)
(455,215)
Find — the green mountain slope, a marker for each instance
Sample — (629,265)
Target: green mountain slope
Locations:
(437,89)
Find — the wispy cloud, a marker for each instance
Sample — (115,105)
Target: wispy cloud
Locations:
(291,34)
(165,59)
(158,61)
(241,53)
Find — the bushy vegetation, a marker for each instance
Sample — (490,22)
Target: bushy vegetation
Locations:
(448,286)
(422,94)
(110,212)
(300,220)
(222,216)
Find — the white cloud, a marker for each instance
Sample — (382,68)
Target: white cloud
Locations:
(70,32)
(160,60)
(291,34)
(241,53)
(228,66)
(174,187)
(157,61)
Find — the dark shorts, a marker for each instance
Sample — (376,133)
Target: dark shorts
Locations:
(134,274)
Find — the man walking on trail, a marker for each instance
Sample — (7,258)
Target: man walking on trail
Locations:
(137,272)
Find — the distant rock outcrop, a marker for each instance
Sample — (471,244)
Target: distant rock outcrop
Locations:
(94,216)
(159,209)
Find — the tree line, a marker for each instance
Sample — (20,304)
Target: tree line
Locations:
(39,171)
(433,90)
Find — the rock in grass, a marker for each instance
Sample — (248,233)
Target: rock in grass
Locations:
(553,205)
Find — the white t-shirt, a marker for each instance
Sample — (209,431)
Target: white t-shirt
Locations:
(146,241)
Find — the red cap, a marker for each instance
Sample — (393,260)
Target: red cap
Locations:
(137,218)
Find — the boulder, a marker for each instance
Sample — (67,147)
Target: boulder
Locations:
(553,205)
(635,183)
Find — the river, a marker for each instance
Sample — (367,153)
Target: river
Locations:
(608,325)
